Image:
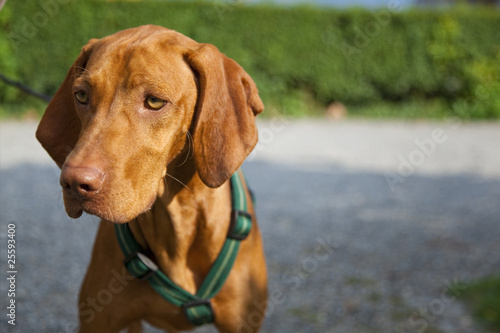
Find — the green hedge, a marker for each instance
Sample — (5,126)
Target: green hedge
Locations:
(482,298)
(299,56)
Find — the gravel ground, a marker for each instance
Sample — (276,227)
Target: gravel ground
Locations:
(368,226)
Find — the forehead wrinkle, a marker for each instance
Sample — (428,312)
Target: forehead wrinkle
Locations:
(139,65)
(110,58)
(95,77)
(155,87)
(150,78)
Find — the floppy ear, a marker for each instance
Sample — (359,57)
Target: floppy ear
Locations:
(60,126)
(224,124)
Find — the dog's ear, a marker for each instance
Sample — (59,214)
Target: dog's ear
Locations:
(60,126)
(224,123)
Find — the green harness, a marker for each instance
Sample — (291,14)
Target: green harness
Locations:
(197,307)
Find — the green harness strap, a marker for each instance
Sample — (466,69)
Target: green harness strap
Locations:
(197,307)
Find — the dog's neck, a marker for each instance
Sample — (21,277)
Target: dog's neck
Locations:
(179,231)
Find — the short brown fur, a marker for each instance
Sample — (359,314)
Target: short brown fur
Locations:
(164,171)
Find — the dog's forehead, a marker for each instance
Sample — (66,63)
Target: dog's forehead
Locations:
(139,51)
(137,57)
(150,40)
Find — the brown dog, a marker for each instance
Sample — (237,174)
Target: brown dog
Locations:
(147,128)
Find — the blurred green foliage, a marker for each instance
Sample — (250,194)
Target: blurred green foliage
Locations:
(482,297)
(301,57)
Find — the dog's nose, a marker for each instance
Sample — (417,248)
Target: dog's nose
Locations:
(82,181)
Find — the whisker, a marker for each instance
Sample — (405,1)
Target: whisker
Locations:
(177,180)
(191,144)
(84,71)
(110,212)
(190,151)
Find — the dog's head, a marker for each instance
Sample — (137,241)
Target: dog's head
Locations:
(126,109)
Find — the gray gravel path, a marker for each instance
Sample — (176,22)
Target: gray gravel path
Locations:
(368,226)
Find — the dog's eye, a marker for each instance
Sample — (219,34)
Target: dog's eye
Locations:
(154,103)
(82,97)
